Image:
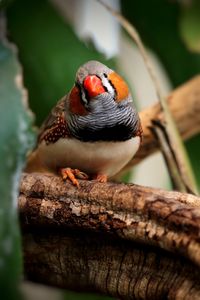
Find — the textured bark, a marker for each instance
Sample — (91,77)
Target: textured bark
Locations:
(184,103)
(91,262)
(127,241)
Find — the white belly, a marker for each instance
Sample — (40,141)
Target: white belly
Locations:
(92,158)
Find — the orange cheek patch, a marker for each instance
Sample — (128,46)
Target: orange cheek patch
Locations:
(120,86)
(75,105)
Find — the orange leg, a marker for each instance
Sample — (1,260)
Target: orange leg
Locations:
(71,174)
(67,173)
(100,177)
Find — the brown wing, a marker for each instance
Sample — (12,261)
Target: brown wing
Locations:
(55,126)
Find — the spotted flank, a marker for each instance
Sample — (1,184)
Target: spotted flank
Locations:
(59,130)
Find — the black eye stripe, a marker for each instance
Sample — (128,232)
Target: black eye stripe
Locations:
(113,86)
(83,94)
(105,88)
(110,82)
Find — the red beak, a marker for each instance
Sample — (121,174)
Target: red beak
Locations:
(93,86)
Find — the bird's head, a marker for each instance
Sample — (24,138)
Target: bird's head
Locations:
(97,87)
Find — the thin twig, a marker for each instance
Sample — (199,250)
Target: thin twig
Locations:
(160,133)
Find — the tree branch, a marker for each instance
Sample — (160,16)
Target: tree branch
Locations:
(127,241)
(184,103)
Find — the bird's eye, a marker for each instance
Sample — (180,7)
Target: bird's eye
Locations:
(120,86)
(93,86)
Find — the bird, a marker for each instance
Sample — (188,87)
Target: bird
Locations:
(92,132)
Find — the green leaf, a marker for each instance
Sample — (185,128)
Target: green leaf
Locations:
(190,26)
(15,139)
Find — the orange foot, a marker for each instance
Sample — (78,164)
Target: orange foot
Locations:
(100,177)
(72,174)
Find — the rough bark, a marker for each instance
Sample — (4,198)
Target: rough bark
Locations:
(184,103)
(127,241)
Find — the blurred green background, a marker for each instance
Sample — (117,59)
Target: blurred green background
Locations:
(50,53)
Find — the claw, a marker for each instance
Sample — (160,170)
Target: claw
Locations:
(68,173)
(72,174)
(100,178)
(80,175)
